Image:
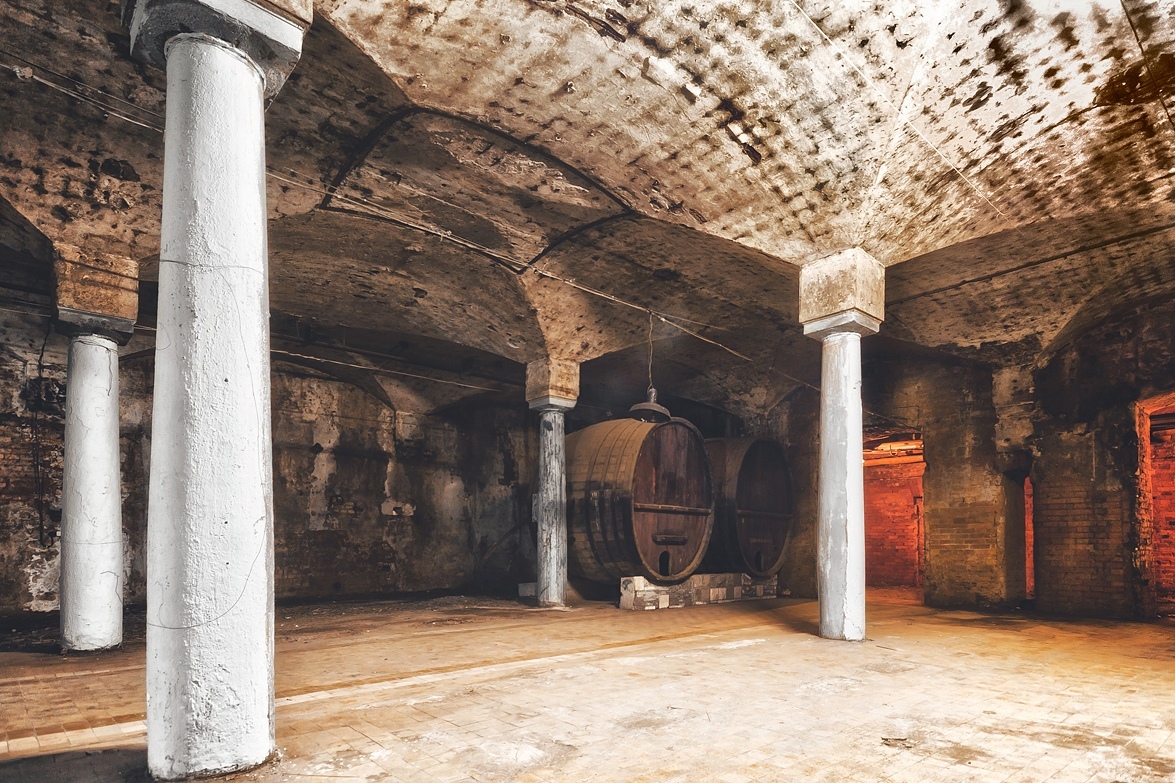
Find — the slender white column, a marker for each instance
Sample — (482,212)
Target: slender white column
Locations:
(210,524)
(842,296)
(840,535)
(92,571)
(551,509)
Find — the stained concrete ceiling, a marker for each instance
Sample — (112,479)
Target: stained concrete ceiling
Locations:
(520,177)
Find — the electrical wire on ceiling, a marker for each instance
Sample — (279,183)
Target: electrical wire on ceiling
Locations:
(650,352)
(1147,62)
(674,321)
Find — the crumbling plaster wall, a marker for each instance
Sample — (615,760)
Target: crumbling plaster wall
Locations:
(367,499)
(372,500)
(32,424)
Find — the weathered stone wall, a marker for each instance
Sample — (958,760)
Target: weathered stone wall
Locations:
(371,500)
(32,422)
(893,524)
(367,499)
(1093,543)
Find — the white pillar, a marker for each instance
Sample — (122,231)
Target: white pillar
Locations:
(92,569)
(840,533)
(552,386)
(551,509)
(210,520)
(842,296)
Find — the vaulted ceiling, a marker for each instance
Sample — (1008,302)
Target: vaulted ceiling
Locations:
(520,177)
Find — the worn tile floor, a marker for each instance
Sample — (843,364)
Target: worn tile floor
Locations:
(485,690)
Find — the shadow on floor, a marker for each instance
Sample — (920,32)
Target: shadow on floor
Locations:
(798,623)
(40,632)
(117,765)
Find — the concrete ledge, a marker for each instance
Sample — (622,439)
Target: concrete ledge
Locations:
(638,593)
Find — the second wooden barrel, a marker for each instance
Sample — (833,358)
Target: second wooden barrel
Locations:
(754,507)
(640,500)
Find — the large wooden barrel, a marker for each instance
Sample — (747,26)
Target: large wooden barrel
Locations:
(640,500)
(754,507)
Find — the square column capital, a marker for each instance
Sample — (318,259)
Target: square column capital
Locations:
(850,321)
(270,32)
(847,282)
(552,384)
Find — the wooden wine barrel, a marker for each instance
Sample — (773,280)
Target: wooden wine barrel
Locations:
(754,506)
(640,500)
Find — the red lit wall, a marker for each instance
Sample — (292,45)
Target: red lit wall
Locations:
(893,524)
(1163,489)
(1029,564)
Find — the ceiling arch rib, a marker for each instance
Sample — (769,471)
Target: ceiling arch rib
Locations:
(474,186)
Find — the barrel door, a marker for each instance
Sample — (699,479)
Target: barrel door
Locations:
(672,502)
(640,500)
(754,506)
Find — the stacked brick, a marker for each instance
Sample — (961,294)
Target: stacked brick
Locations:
(639,594)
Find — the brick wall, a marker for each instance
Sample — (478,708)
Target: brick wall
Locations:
(1082,522)
(1163,507)
(1029,543)
(893,524)
(1091,517)
(965,505)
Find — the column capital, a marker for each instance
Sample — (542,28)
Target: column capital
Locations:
(842,292)
(270,33)
(546,404)
(852,321)
(552,384)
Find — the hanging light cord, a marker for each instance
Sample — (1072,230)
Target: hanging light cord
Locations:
(650,350)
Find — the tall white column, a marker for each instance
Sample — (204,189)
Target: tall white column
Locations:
(210,520)
(551,509)
(842,297)
(92,568)
(840,533)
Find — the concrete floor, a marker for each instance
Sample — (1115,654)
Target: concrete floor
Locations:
(483,690)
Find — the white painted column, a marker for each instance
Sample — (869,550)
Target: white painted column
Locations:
(210,524)
(842,297)
(840,533)
(551,509)
(92,569)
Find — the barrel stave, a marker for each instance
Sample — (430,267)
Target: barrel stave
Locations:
(640,500)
